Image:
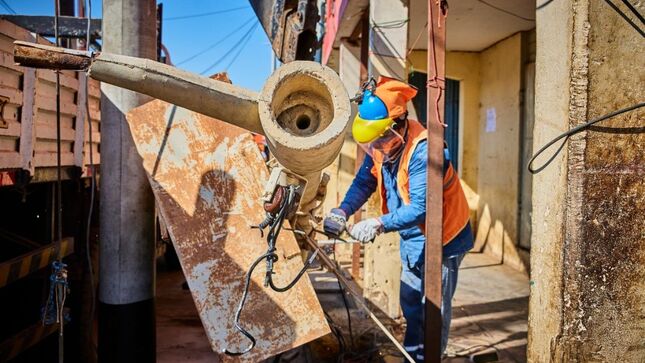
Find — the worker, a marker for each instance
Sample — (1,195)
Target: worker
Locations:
(395,165)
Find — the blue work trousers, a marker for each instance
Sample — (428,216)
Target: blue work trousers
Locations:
(412,300)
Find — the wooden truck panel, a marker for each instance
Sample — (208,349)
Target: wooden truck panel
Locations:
(28,113)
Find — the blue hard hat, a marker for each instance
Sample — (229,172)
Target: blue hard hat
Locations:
(372,107)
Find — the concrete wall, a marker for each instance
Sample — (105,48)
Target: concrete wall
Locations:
(500,117)
(588,250)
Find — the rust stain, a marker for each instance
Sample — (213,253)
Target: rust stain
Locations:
(39,56)
(207,177)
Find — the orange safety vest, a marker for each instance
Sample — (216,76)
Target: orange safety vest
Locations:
(455,206)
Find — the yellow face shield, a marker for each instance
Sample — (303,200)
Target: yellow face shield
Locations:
(378,138)
(365,131)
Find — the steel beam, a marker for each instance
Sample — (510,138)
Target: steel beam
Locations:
(24,340)
(290,26)
(28,263)
(68,26)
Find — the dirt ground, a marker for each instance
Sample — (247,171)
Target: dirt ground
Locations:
(490,312)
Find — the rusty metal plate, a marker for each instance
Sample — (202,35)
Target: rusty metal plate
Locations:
(207,177)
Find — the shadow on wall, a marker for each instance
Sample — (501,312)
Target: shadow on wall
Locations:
(492,238)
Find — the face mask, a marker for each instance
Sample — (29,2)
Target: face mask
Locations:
(387,148)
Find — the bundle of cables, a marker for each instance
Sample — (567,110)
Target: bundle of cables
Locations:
(282,205)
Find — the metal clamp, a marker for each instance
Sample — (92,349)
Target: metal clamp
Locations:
(281,177)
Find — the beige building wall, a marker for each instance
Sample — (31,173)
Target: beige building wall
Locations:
(499,152)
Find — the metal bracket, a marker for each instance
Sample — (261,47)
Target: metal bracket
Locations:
(3,122)
(281,176)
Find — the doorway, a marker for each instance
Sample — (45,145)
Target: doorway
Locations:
(420,102)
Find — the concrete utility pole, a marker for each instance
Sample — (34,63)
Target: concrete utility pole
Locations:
(127,251)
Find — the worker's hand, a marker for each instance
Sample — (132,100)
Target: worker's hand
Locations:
(367,230)
(335,221)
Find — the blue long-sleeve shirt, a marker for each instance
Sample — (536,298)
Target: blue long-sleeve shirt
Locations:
(404,218)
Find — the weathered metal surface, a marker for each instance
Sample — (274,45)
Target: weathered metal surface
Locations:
(207,177)
(290,26)
(434,191)
(29,54)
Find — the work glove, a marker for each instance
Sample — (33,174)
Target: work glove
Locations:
(335,221)
(367,230)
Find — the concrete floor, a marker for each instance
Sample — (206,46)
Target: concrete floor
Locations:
(489,315)
(490,311)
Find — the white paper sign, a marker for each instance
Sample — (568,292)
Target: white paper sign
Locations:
(491,119)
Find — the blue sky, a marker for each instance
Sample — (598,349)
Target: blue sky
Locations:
(186,37)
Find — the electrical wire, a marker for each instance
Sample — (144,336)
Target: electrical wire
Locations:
(573,131)
(217,12)
(218,42)
(505,11)
(634,11)
(228,52)
(436,81)
(543,5)
(275,220)
(626,18)
(241,48)
(6,6)
(588,124)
